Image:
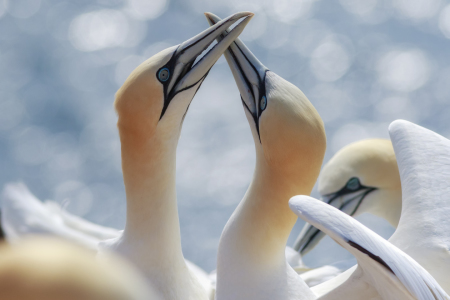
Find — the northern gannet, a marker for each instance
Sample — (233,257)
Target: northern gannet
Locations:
(50,269)
(290,143)
(361,177)
(251,260)
(423,229)
(151,106)
(366,177)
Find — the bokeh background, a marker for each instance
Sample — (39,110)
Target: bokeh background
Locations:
(362,63)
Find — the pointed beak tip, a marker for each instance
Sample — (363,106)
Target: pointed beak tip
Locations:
(243,14)
(213,19)
(210,17)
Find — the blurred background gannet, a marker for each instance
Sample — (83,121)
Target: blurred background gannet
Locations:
(50,269)
(151,106)
(362,177)
(25,215)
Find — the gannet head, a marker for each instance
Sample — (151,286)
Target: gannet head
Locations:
(155,97)
(361,177)
(288,132)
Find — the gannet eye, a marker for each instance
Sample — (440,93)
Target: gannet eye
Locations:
(263,103)
(163,74)
(353,184)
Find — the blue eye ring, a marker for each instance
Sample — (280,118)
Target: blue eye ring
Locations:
(353,184)
(263,103)
(164,74)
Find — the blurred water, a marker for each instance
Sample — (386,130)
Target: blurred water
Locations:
(362,63)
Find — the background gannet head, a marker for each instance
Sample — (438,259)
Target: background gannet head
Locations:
(288,132)
(361,177)
(52,269)
(155,97)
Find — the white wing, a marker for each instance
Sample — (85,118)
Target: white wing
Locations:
(319,275)
(423,232)
(82,225)
(23,214)
(381,266)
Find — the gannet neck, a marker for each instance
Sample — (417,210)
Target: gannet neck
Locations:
(251,257)
(289,152)
(151,238)
(149,175)
(264,213)
(386,204)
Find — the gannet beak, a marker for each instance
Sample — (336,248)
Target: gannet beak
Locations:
(185,71)
(346,202)
(309,237)
(249,73)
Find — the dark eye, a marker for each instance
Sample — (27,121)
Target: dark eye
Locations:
(263,103)
(353,184)
(164,74)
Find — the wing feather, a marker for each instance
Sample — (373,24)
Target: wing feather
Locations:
(387,269)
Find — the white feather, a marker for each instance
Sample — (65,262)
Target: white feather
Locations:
(408,280)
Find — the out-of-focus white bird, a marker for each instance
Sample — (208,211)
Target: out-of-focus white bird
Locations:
(361,177)
(290,143)
(151,107)
(26,215)
(50,269)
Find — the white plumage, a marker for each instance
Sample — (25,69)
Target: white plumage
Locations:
(383,269)
(23,214)
(423,230)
